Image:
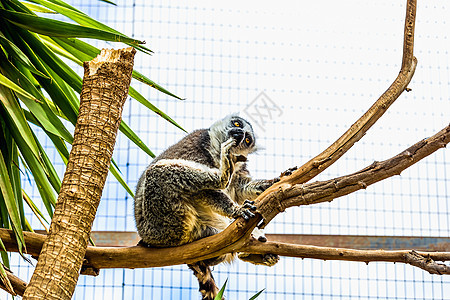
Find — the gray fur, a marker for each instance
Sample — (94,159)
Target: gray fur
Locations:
(196,186)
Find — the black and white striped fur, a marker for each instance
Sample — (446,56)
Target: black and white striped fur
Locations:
(195,187)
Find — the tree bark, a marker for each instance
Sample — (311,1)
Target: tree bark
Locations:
(105,89)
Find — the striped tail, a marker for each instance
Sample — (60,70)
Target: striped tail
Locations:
(208,287)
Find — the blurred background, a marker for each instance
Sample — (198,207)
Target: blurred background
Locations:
(302,72)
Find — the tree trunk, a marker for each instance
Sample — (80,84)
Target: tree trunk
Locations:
(105,89)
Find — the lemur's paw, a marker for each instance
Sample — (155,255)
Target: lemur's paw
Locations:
(245,210)
(270,259)
(227,145)
(249,204)
(288,171)
(260,259)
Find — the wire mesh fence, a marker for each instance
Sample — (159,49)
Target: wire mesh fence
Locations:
(302,73)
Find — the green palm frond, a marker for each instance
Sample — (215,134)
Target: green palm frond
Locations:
(38,87)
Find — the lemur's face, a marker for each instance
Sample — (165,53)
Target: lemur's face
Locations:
(242,132)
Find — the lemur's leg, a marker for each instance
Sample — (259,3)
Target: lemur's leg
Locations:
(207,284)
(219,202)
(202,270)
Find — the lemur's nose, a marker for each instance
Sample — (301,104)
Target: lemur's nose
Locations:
(237,134)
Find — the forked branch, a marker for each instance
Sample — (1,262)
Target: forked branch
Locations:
(236,238)
(423,260)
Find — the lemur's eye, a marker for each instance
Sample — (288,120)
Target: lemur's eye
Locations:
(247,140)
(237,124)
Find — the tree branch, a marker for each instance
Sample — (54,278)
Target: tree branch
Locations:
(236,238)
(423,260)
(325,159)
(426,263)
(291,191)
(17,284)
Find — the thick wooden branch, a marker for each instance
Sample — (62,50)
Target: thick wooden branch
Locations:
(423,260)
(231,240)
(140,257)
(17,284)
(236,238)
(292,191)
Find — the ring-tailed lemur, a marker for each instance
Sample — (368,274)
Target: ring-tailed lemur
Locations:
(193,189)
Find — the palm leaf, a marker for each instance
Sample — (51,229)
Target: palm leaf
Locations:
(38,8)
(3,277)
(90,52)
(256,295)
(64,153)
(84,20)
(140,77)
(35,211)
(58,142)
(10,202)
(219,296)
(15,112)
(40,174)
(142,100)
(57,28)
(64,98)
(115,171)
(123,126)
(16,53)
(39,108)
(33,75)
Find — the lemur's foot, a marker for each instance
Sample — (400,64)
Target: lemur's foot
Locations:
(143,244)
(264,185)
(260,259)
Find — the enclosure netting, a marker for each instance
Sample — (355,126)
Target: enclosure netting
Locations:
(302,72)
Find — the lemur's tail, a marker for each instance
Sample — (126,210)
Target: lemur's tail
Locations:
(208,286)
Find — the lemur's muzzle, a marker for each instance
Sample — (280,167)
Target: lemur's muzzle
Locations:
(237,134)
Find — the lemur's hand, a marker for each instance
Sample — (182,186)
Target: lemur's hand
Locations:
(226,162)
(237,134)
(245,210)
